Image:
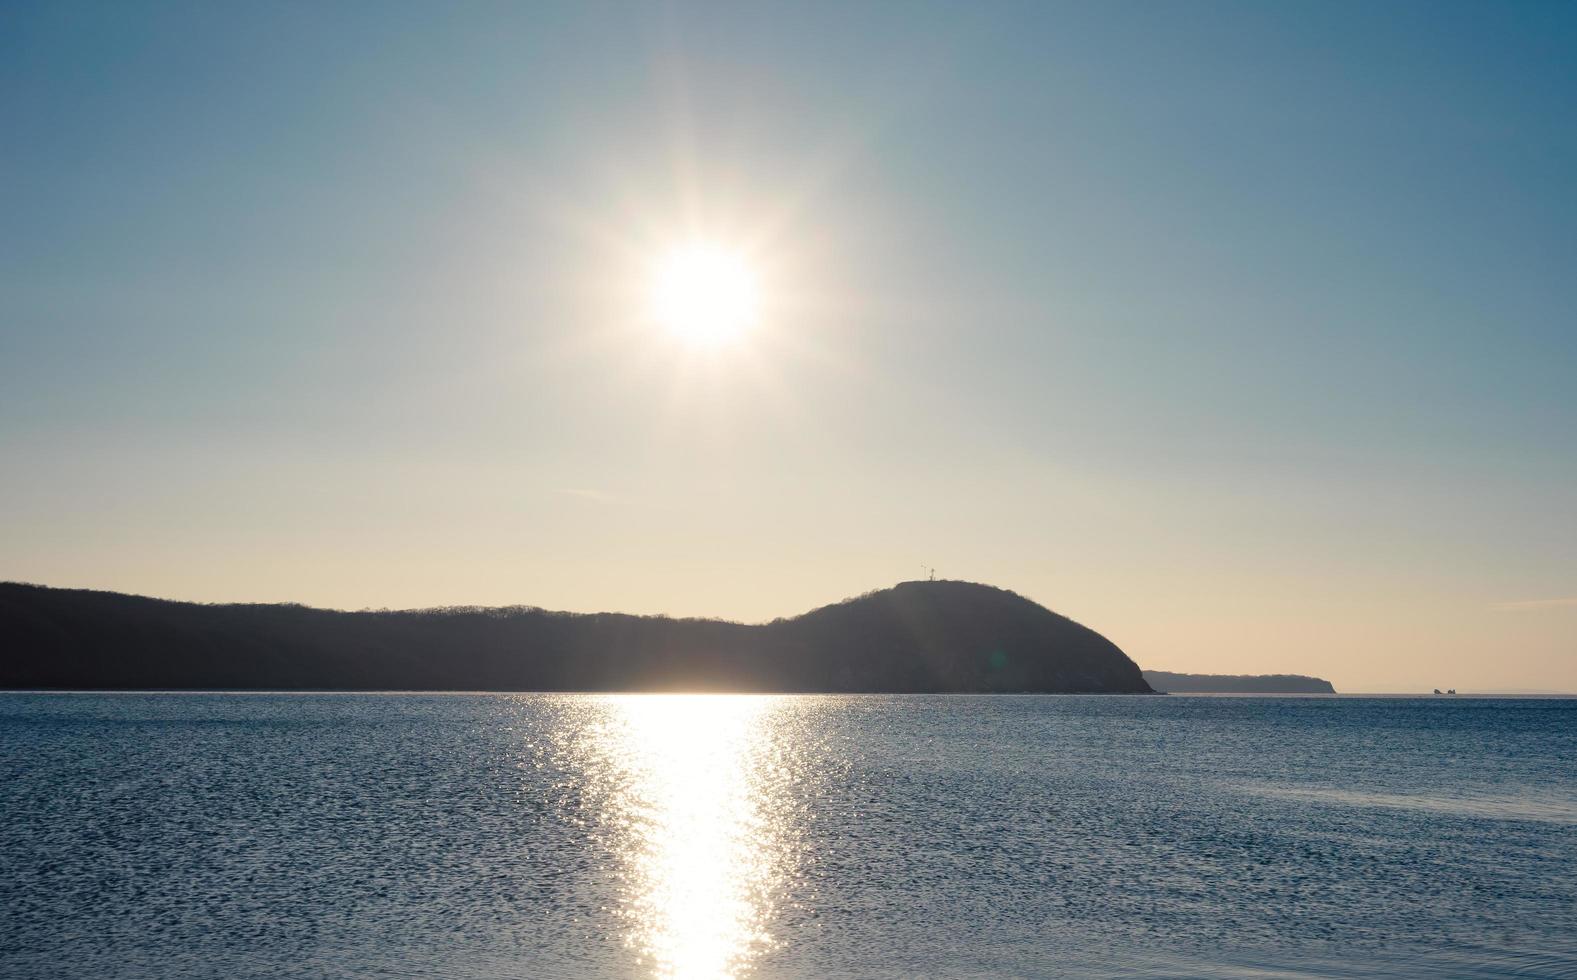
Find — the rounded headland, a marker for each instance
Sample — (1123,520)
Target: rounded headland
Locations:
(927,636)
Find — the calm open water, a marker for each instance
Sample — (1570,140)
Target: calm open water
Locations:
(459,836)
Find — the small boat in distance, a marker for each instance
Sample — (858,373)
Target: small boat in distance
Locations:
(1437,690)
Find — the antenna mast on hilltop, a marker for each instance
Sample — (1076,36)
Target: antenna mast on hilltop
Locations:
(930,572)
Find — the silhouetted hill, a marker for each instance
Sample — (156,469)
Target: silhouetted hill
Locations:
(917,636)
(1169,682)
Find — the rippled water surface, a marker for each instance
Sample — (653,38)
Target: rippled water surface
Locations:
(461,836)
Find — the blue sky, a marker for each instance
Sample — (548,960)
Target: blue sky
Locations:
(1245,333)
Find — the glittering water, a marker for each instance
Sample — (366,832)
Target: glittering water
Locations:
(314,836)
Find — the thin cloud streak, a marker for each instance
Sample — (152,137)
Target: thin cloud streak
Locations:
(585,493)
(1527,605)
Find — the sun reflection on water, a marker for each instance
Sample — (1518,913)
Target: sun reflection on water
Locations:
(703,850)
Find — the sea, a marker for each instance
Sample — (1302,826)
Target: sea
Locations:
(187,835)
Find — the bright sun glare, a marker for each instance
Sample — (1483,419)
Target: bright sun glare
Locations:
(705,294)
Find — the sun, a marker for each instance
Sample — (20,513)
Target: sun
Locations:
(705,294)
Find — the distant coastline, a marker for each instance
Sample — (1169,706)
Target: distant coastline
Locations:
(915,637)
(1169,682)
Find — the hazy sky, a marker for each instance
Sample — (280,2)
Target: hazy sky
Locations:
(1245,334)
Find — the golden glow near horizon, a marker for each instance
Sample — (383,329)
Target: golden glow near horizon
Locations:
(701,842)
(705,294)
